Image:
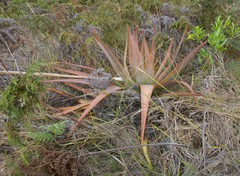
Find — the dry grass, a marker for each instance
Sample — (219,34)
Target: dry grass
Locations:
(209,129)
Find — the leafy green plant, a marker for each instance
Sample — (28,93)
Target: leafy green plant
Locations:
(204,54)
(15,10)
(17,101)
(2,16)
(217,39)
(198,34)
(47,135)
(145,71)
(222,32)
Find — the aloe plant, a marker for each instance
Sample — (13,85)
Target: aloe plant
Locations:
(144,71)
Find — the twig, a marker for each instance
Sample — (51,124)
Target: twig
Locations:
(231,58)
(4,66)
(203,138)
(12,55)
(54,75)
(123,148)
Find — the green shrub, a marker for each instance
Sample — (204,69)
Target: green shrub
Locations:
(17,101)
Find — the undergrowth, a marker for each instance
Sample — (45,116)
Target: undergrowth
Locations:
(17,101)
(45,134)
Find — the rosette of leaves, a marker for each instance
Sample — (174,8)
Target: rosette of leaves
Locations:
(145,71)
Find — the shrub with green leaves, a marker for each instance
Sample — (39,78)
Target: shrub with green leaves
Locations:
(17,101)
(222,32)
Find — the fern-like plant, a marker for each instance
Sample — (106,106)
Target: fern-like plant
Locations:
(50,132)
(17,101)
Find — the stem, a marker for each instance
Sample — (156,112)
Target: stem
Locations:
(54,75)
(123,148)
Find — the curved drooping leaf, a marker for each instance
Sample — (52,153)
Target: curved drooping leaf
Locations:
(101,96)
(168,83)
(73,108)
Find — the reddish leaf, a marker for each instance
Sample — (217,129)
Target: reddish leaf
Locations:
(169,67)
(125,56)
(114,61)
(148,62)
(59,92)
(73,108)
(160,69)
(146,93)
(153,46)
(101,96)
(71,71)
(183,63)
(62,140)
(81,81)
(135,60)
(135,34)
(179,45)
(168,83)
(63,108)
(86,91)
